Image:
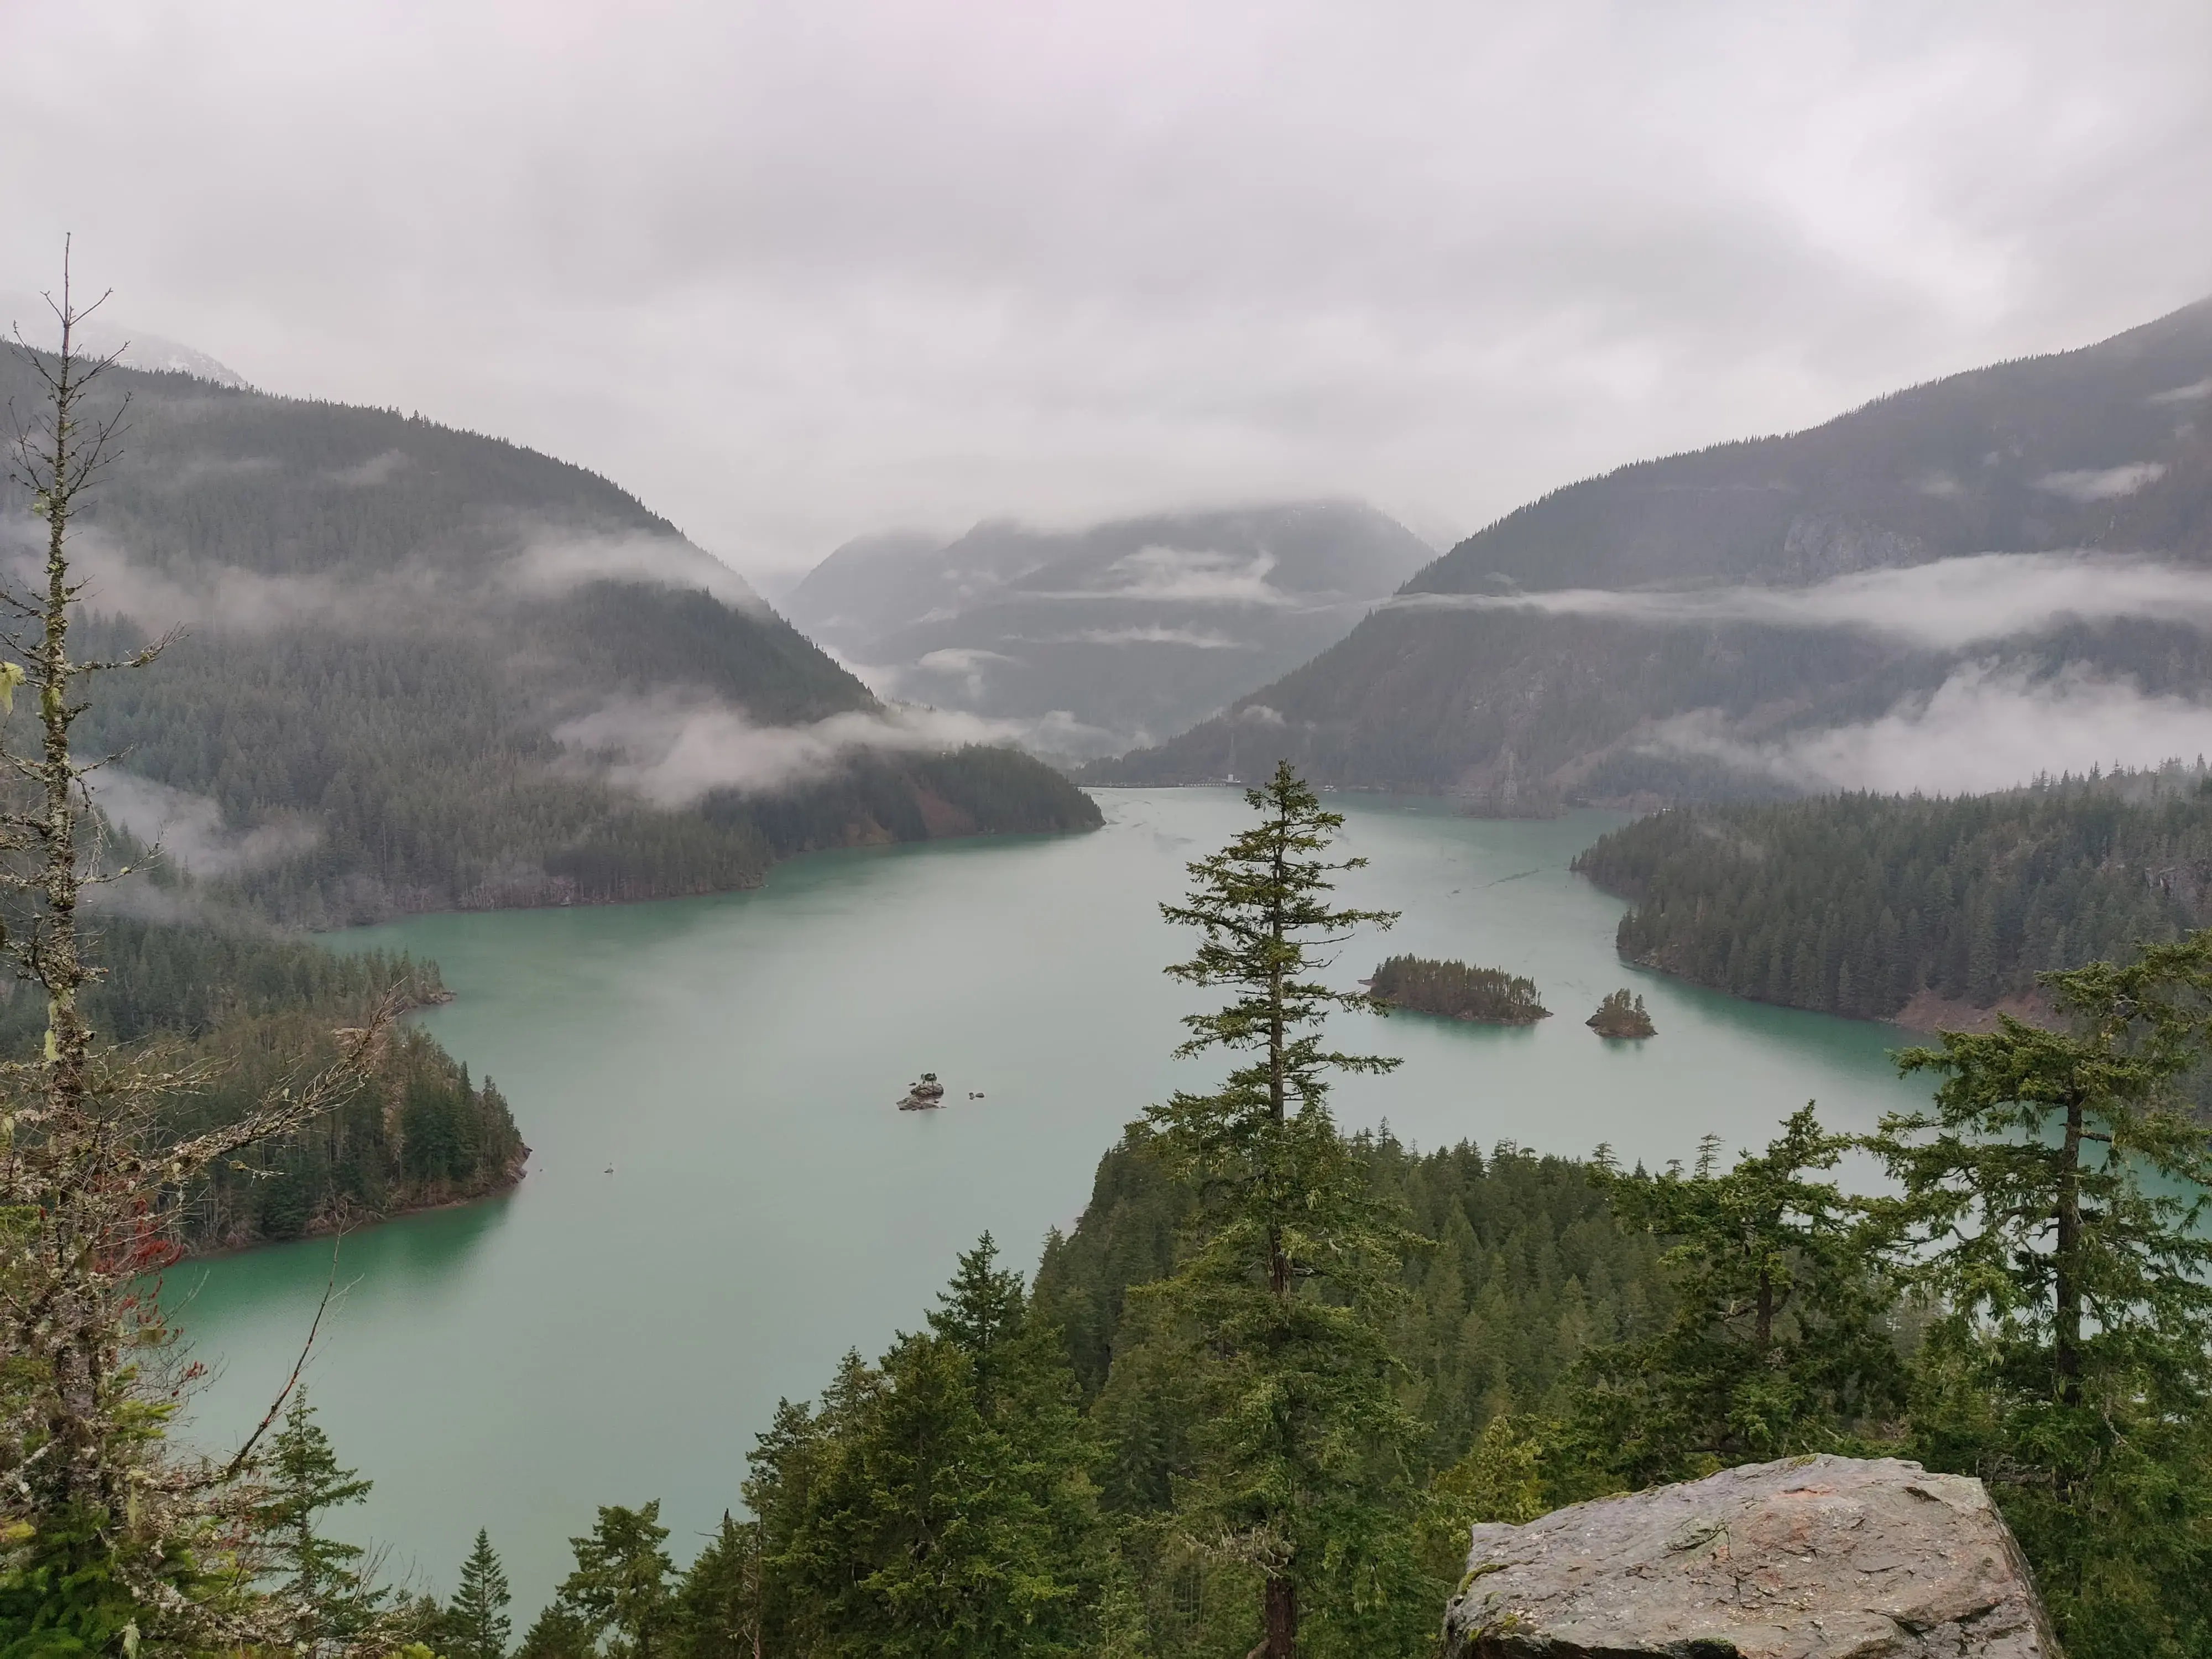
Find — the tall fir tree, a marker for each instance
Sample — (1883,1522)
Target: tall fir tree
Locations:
(719,1602)
(2054,1199)
(620,1589)
(477,1625)
(320,1577)
(559,1631)
(1292,1259)
(109,1535)
(940,1503)
(1781,1342)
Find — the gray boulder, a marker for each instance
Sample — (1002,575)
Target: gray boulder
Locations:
(1811,1557)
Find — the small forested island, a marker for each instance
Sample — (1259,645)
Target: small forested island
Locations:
(1453,990)
(1621,1015)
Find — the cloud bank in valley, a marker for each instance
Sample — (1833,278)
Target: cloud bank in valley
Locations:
(2102,483)
(1176,576)
(673,751)
(1198,639)
(189,829)
(547,562)
(552,561)
(1946,605)
(1986,727)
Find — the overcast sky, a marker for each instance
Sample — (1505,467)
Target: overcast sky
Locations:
(795,272)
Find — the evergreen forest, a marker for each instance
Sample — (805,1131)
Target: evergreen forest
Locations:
(242,1009)
(1857,904)
(1455,991)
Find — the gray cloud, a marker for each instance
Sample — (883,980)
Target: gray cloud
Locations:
(1947,604)
(230,599)
(1199,639)
(556,561)
(222,598)
(380,469)
(2102,483)
(795,273)
(2195,392)
(1985,728)
(189,828)
(671,750)
(960,659)
(1188,576)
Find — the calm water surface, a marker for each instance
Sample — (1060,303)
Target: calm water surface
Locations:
(722,1199)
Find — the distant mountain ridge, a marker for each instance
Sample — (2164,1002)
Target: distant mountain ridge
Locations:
(1560,651)
(141,349)
(422,669)
(1098,637)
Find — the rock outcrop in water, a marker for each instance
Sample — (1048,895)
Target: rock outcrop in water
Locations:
(926,1096)
(1811,1558)
(1622,1015)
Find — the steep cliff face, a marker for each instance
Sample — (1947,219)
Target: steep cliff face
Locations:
(1811,1557)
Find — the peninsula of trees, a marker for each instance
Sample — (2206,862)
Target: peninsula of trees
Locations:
(1453,990)
(249,1010)
(1858,904)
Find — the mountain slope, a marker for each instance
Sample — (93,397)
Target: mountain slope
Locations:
(420,668)
(1776,591)
(1096,638)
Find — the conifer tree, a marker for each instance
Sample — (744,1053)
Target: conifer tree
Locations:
(1781,1340)
(620,1590)
(940,1503)
(1290,1256)
(320,1577)
(477,1624)
(719,1602)
(109,1535)
(2054,1199)
(981,1313)
(559,1631)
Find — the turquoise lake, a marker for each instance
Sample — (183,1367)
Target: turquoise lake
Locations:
(722,1199)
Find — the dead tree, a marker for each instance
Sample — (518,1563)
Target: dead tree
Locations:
(129,1542)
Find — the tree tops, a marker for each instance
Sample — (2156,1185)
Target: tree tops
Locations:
(1456,991)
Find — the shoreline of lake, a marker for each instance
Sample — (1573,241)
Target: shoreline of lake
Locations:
(596,1338)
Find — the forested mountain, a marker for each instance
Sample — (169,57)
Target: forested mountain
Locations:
(1884,907)
(1120,634)
(1769,590)
(422,669)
